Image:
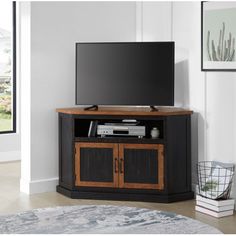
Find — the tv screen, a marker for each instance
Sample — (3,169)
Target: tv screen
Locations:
(132,73)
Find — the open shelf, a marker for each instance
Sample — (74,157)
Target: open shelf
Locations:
(81,129)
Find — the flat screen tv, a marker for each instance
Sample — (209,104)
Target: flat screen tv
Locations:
(127,73)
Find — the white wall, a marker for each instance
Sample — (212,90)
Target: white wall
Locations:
(156,21)
(190,82)
(25,78)
(211,94)
(9,147)
(55,27)
(221,116)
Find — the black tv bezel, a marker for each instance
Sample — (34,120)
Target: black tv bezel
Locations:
(108,104)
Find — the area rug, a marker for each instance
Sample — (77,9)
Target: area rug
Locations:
(100,219)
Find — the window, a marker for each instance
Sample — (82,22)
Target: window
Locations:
(7,67)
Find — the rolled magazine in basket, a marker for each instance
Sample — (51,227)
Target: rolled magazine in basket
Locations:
(215,179)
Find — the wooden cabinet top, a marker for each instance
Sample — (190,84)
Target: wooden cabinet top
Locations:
(130,111)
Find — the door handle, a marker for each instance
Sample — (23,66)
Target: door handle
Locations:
(116,165)
(121,166)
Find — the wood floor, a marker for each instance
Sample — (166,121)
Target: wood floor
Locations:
(12,201)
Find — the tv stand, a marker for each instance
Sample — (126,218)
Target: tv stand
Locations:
(153,108)
(91,108)
(121,167)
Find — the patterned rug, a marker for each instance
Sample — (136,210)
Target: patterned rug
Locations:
(100,219)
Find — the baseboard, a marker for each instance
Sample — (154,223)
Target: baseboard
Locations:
(38,186)
(195,189)
(10,156)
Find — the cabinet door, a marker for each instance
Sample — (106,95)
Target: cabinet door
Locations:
(96,164)
(141,166)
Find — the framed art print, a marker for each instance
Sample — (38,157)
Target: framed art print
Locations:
(218,35)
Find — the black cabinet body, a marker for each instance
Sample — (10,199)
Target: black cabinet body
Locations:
(123,168)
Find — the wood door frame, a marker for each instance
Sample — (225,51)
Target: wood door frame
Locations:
(78,182)
(160,156)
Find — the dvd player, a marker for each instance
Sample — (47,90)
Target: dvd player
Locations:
(120,129)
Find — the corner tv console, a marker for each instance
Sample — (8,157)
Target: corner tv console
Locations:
(125,168)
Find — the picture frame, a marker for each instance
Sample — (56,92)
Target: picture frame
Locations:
(218,36)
